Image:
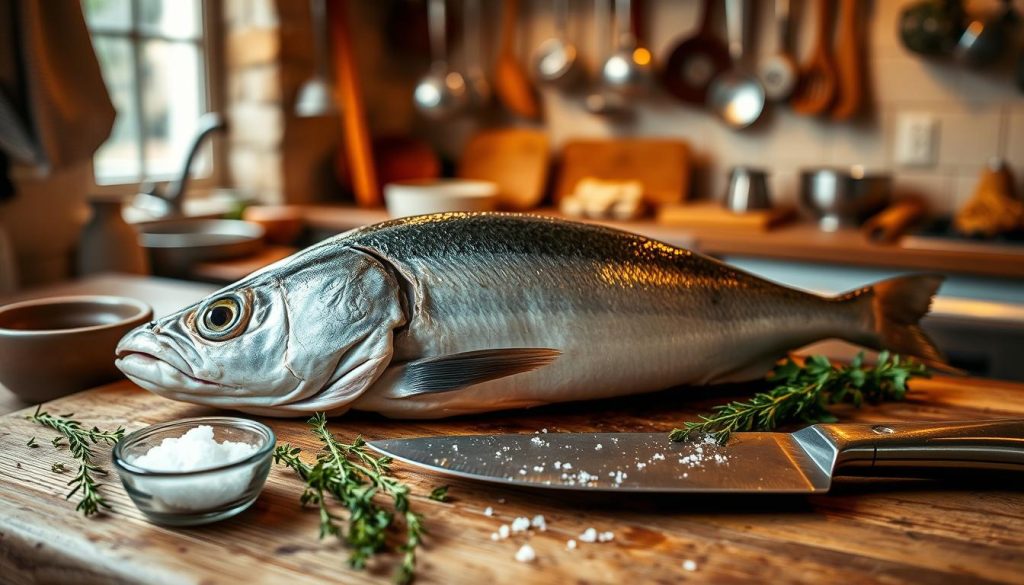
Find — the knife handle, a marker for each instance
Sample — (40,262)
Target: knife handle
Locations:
(983,444)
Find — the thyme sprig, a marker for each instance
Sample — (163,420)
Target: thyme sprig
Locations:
(80,441)
(803,393)
(354,477)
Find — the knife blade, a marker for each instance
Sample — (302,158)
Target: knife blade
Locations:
(800,462)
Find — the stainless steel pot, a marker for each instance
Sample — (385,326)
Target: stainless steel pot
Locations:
(843,197)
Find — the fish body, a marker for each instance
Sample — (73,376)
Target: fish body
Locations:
(459,313)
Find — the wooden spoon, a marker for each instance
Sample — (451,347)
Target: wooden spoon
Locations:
(510,80)
(357,154)
(817,86)
(849,62)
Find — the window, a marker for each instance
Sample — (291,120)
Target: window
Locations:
(155,57)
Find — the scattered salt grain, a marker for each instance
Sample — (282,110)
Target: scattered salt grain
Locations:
(544,430)
(570,544)
(522,472)
(589,535)
(539,523)
(455,448)
(658,457)
(494,536)
(567,466)
(537,441)
(606,537)
(488,511)
(503,531)
(598,447)
(690,565)
(525,554)
(520,524)
(558,464)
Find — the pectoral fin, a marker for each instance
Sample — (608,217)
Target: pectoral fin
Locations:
(457,371)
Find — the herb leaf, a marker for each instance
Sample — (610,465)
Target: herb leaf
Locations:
(439,494)
(804,393)
(354,477)
(80,442)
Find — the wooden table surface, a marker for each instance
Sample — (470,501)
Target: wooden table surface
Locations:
(801,241)
(965,531)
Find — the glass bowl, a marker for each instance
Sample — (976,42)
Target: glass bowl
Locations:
(190,498)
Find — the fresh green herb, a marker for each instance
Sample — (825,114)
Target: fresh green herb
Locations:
(354,477)
(32,443)
(80,442)
(58,468)
(439,494)
(803,393)
(56,441)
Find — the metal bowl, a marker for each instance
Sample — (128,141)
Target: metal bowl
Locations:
(175,247)
(843,197)
(55,346)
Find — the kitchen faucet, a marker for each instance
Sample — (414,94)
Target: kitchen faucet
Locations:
(171,201)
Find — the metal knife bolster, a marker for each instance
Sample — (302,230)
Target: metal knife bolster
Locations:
(849,448)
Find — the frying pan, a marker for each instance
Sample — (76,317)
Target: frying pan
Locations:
(696,61)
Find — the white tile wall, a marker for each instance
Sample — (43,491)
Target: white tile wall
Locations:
(981,115)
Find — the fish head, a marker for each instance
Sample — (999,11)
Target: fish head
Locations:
(303,337)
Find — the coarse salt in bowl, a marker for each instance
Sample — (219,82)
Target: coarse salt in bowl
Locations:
(195,471)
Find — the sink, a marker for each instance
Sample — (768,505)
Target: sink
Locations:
(175,246)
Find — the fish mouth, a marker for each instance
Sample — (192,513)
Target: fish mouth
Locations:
(156,374)
(152,364)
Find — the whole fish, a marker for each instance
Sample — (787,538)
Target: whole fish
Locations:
(459,313)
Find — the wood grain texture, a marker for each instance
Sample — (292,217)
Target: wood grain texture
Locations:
(963,531)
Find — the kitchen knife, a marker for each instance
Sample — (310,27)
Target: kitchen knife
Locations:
(800,462)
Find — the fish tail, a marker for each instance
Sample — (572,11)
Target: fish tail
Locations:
(891,310)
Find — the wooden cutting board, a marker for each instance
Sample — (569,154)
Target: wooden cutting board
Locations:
(517,159)
(864,532)
(661,165)
(713,215)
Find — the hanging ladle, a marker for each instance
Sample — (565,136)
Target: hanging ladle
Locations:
(442,92)
(737,96)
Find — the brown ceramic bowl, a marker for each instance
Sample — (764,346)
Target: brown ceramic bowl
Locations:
(51,347)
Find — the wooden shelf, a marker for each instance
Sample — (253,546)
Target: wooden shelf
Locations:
(798,241)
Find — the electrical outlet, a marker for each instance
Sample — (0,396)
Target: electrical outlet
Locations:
(916,136)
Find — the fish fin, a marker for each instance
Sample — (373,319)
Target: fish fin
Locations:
(896,306)
(453,372)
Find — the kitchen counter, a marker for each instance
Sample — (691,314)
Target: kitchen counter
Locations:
(796,241)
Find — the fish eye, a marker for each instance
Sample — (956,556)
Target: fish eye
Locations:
(222,318)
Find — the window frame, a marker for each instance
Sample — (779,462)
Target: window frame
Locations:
(211,45)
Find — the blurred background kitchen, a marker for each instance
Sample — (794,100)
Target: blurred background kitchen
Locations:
(820,143)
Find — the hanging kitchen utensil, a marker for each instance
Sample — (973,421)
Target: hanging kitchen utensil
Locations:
(316,96)
(816,87)
(695,61)
(442,91)
(984,40)
(931,28)
(357,154)
(555,62)
(600,101)
(736,95)
(478,88)
(628,71)
(510,81)
(778,72)
(849,62)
